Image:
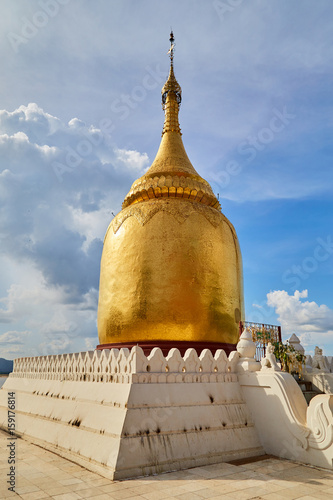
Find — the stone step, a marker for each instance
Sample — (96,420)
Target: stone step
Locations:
(305,385)
(310,394)
(308,390)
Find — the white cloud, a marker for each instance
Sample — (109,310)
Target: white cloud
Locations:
(13,337)
(43,200)
(132,159)
(76,123)
(47,313)
(313,323)
(31,120)
(18,136)
(55,226)
(90,343)
(12,351)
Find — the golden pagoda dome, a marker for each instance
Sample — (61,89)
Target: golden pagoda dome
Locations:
(171,269)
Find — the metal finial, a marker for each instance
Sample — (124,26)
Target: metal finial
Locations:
(171,85)
(172,47)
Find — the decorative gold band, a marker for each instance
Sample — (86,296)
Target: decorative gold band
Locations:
(171,187)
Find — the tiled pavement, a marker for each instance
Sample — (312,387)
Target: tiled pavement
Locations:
(42,474)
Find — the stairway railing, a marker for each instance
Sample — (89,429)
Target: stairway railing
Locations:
(262,333)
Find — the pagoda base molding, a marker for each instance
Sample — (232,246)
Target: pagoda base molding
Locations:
(167,345)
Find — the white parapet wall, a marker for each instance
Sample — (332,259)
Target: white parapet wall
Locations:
(124,414)
(288,427)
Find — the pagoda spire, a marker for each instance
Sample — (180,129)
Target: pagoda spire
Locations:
(171,96)
(171,174)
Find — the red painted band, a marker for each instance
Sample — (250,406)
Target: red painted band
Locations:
(166,345)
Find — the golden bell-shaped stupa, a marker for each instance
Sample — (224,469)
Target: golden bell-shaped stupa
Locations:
(171,269)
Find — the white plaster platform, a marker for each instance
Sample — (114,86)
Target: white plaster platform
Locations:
(123,415)
(43,475)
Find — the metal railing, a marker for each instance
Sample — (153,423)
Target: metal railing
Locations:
(261,334)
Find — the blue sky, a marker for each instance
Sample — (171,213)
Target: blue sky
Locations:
(81,119)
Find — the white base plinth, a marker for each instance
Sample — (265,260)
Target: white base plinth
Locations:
(124,415)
